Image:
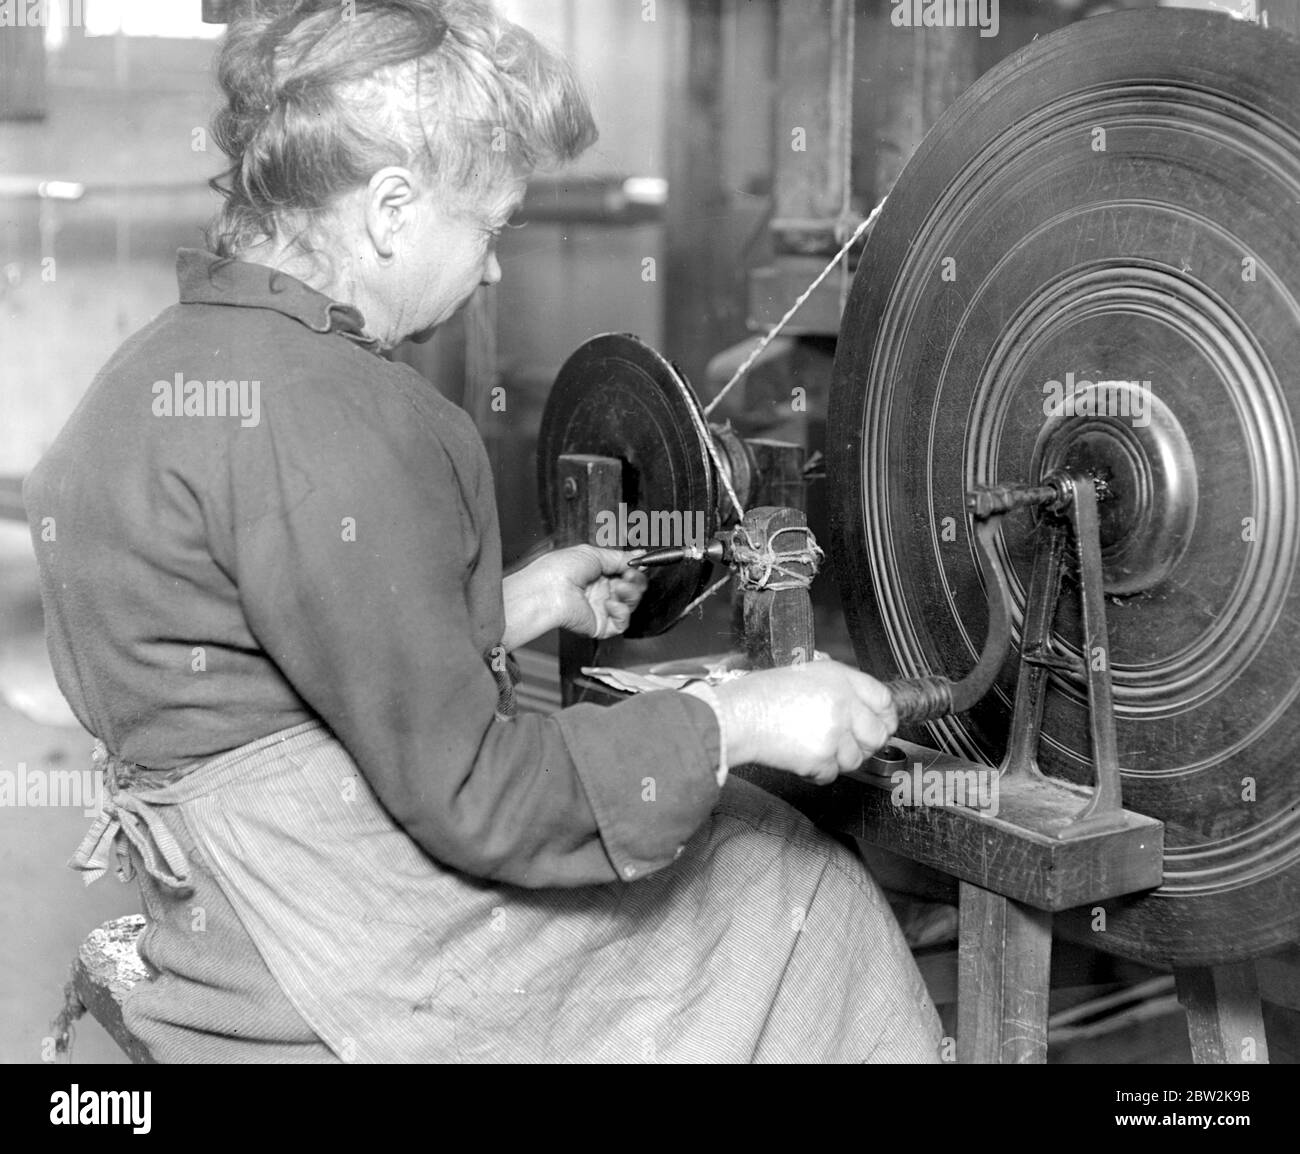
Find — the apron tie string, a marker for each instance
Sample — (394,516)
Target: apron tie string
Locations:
(128,820)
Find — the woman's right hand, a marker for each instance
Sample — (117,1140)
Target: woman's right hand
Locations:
(816,720)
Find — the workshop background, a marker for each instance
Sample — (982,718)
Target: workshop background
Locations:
(104,158)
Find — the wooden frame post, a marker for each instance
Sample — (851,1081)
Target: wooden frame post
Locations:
(1225,1021)
(587,485)
(778,623)
(1004,959)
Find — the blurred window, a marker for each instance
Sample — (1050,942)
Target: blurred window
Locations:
(178,19)
(172,19)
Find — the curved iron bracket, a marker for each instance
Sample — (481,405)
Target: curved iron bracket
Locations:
(918,699)
(1071,498)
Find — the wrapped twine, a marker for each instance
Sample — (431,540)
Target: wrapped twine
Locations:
(762,566)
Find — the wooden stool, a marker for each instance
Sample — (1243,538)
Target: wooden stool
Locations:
(107,968)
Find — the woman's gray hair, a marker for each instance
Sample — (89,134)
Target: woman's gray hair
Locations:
(321,94)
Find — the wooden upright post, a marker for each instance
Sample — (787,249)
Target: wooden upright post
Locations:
(587,485)
(1004,959)
(814,124)
(698,275)
(926,70)
(22,72)
(778,622)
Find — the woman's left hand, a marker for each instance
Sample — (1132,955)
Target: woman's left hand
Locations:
(596,589)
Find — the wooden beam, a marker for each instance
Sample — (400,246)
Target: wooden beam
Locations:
(927,69)
(1014,851)
(697,274)
(814,123)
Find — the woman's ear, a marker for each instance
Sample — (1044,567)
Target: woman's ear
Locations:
(390,197)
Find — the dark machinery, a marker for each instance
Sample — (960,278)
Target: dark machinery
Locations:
(619,398)
(1065,479)
(1117,203)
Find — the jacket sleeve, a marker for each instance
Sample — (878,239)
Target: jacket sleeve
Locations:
(352,543)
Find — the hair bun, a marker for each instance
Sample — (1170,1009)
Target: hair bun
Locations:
(319,98)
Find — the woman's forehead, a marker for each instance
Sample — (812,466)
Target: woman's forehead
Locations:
(513,195)
(491,209)
(501,207)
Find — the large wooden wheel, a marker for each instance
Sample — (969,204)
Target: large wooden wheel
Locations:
(1118,203)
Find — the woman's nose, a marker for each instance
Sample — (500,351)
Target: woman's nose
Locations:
(492,270)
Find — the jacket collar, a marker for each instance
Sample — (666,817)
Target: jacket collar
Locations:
(208,279)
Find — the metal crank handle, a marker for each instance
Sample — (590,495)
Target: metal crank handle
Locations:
(918,699)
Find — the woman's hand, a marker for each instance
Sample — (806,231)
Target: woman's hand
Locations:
(816,720)
(584,589)
(595,588)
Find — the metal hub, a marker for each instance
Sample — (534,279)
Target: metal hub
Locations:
(1145,471)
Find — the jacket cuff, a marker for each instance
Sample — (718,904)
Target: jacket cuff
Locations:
(706,694)
(647,766)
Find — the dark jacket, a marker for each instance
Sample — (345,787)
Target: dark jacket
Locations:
(252,518)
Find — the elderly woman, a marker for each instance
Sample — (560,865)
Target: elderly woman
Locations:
(286,622)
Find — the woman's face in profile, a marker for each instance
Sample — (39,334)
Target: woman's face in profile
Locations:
(446,256)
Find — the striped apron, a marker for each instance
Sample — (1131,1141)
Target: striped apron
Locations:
(765,940)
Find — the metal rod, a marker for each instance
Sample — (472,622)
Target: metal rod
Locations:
(1107,798)
(715,551)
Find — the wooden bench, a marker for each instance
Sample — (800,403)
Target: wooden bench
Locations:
(106,969)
